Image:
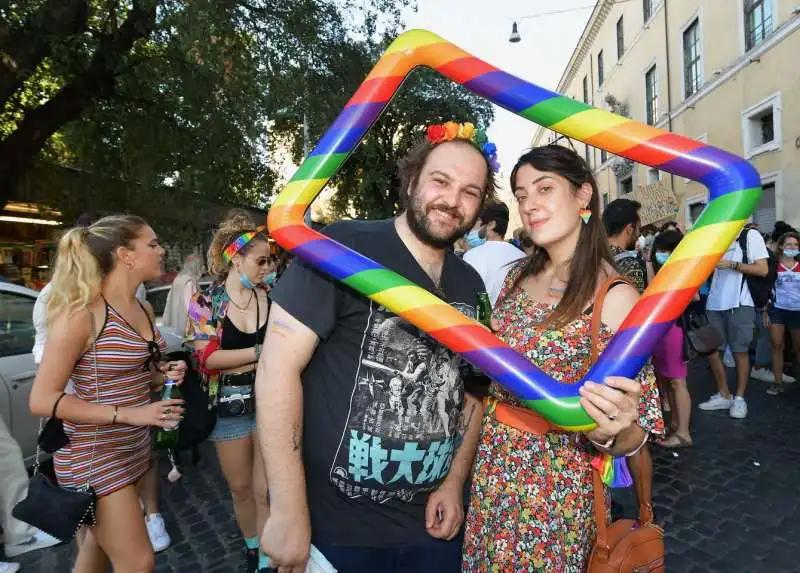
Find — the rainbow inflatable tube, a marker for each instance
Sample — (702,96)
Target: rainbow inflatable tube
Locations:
(734,191)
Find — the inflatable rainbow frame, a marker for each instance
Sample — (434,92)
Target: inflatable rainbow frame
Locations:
(734,190)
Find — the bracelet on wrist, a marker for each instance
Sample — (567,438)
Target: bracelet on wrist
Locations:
(640,446)
(116,415)
(606,446)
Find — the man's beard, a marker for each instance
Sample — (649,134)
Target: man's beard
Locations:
(417,216)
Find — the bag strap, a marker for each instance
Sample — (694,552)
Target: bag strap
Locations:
(642,481)
(55,406)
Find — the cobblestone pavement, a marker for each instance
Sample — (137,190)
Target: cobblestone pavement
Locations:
(729,504)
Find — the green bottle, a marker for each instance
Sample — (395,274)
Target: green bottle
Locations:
(167,438)
(484,310)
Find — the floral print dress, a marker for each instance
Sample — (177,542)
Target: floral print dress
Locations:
(531,507)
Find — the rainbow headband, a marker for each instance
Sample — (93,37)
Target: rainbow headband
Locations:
(452,131)
(734,191)
(239,242)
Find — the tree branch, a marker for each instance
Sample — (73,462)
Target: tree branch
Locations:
(22,50)
(19,149)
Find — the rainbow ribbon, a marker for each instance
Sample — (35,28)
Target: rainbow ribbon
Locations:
(734,190)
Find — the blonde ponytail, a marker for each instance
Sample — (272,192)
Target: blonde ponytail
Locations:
(237,222)
(85,257)
(77,278)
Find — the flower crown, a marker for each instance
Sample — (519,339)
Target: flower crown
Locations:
(451,131)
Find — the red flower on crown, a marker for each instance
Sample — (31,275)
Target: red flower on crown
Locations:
(436,134)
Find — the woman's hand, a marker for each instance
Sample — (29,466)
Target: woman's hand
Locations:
(613,405)
(765,319)
(163,414)
(174,370)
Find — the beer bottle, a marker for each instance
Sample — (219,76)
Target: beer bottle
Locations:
(484,310)
(167,438)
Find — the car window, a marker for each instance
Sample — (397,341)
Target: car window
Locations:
(158,299)
(16,324)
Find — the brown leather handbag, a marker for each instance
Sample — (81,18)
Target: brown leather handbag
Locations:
(626,545)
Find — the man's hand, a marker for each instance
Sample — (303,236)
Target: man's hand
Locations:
(724,264)
(287,541)
(444,512)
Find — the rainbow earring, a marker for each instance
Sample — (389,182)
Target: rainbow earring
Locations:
(585,214)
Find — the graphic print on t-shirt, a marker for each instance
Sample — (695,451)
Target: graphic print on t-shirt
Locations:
(402,429)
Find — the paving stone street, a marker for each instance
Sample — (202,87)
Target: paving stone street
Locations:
(729,504)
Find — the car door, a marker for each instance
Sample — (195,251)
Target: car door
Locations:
(17,368)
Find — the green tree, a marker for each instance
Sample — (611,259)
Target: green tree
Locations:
(169,96)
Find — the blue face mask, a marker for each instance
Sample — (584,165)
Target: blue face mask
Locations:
(791,253)
(270,278)
(661,258)
(246,282)
(474,239)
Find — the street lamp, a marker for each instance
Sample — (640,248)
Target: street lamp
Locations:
(515,37)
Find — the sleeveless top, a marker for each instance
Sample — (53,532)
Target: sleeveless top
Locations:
(235,339)
(110,456)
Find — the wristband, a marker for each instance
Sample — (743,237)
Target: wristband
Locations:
(116,415)
(640,446)
(607,446)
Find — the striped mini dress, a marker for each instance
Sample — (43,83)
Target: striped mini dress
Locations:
(110,457)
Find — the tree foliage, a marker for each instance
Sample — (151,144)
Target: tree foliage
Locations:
(170,96)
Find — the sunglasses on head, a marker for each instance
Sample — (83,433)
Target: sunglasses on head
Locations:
(155,355)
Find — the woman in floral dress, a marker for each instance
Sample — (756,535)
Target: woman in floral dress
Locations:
(531,507)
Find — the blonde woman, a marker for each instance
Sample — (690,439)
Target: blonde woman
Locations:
(106,341)
(227,325)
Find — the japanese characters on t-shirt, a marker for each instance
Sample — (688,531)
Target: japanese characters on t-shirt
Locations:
(383,401)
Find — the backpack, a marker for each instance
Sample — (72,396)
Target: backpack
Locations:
(760,287)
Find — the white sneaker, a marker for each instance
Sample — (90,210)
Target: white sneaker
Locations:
(157,531)
(39,540)
(788,379)
(762,374)
(6,567)
(716,402)
(738,408)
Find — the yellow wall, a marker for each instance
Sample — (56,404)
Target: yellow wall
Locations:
(731,83)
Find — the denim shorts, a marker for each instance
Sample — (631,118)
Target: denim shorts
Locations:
(789,318)
(228,429)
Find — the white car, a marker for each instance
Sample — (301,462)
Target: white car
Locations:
(18,369)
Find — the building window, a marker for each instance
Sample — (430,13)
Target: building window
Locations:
(603,156)
(694,207)
(692,72)
(600,71)
(585,89)
(624,185)
(757,22)
(620,38)
(647,8)
(605,200)
(651,96)
(653,176)
(761,126)
(766,213)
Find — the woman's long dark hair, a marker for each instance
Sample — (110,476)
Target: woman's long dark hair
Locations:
(592,253)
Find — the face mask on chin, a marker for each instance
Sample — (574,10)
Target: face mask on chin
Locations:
(791,253)
(270,278)
(661,258)
(246,282)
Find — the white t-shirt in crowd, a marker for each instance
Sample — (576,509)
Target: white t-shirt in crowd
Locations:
(493,260)
(728,289)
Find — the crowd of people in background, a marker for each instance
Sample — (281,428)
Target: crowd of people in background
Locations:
(382,450)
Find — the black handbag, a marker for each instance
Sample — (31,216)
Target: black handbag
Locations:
(52,436)
(701,337)
(59,511)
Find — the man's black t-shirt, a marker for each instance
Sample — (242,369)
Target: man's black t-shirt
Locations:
(383,401)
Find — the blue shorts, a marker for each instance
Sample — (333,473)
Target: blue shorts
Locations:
(228,429)
(789,318)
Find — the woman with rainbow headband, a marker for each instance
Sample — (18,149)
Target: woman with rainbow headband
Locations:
(531,507)
(227,325)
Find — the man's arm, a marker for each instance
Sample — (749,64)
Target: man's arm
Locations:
(465,456)
(288,348)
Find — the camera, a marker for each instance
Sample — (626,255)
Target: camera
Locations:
(240,403)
